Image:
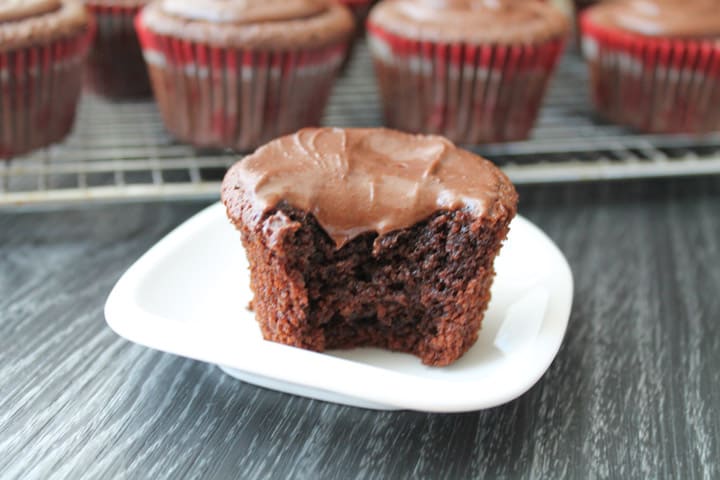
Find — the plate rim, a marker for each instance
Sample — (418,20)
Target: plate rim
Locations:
(399,390)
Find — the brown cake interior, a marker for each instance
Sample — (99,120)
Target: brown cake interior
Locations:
(421,290)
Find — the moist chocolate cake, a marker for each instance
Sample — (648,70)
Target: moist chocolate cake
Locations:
(370,237)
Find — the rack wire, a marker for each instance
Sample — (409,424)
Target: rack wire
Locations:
(120,151)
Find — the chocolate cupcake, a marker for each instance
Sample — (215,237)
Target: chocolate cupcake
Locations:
(43,45)
(473,70)
(655,64)
(370,237)
(116,68)
(235,74)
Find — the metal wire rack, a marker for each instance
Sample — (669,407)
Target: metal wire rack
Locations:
(120,151)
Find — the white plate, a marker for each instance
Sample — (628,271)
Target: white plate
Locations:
(188,296)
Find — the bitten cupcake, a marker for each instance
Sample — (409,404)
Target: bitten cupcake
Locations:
(237,73)
(655,64)
(473,70)
(43,45)
(116,68)
(370,237)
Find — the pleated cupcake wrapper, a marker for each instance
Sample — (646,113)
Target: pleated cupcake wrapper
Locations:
(39,91)
(469,93)
(113,19)
(651,84)
(116,67)
(237,98)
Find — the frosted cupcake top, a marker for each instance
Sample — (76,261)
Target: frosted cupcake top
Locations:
(268,24)
(248,11)
(364,180)
(25,23)
(471,21)
(660,18)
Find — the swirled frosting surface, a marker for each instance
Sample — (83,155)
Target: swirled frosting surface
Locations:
(260,24)
(364,180)
(661,18)
(244,11)
(481,21)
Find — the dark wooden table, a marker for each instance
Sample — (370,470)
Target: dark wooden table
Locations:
(634,392)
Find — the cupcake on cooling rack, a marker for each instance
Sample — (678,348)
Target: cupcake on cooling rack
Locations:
(236,73)
(370,237)
(655,64)
(43,45)
(473,70)
(115,66)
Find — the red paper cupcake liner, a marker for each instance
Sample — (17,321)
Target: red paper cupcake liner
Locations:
(234,98)
(653,85)
(116,68)
(468,93)
(39,91)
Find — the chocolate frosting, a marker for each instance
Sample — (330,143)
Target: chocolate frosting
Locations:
(471,21)
(661,18)
(260,24)
(25,23)
(249,11)
(14,10)
(363,180)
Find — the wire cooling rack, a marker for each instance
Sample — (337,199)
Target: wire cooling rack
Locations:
(120,151)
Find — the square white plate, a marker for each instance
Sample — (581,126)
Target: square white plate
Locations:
(188,296)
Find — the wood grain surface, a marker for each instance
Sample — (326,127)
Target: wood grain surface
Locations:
(634,392)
